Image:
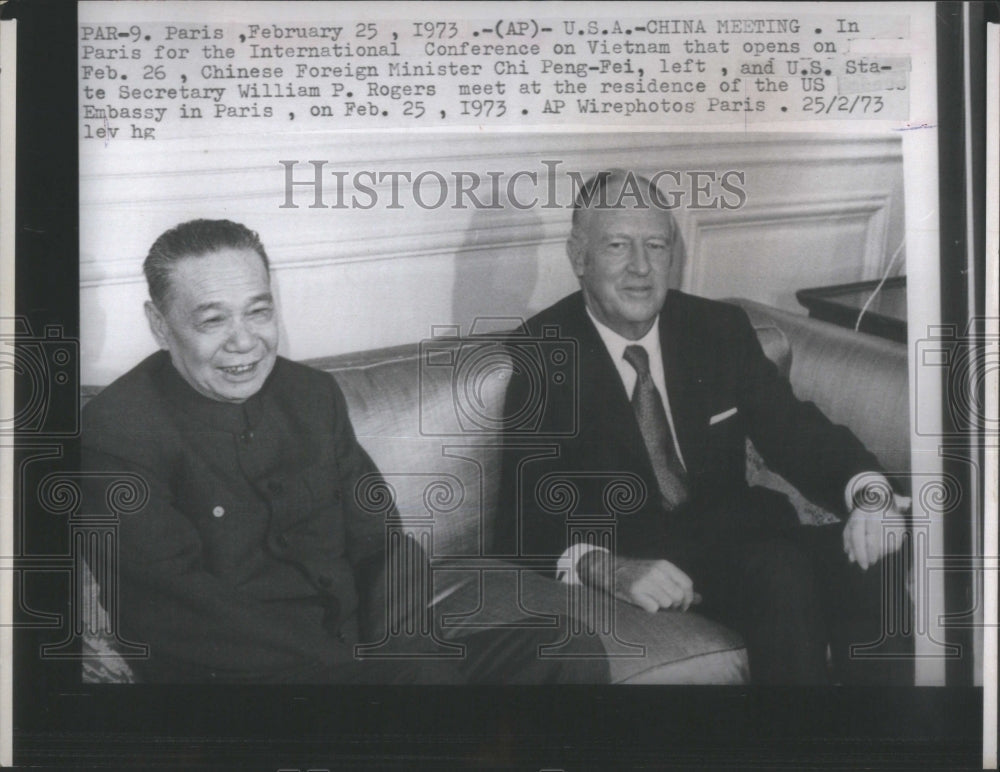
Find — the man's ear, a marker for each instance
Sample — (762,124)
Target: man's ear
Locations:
(157,324)
(678,261)
(577,253)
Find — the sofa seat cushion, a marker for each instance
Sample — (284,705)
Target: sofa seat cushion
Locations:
(680,648)
(668,647)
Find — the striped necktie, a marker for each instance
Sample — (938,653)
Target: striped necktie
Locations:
(655,430)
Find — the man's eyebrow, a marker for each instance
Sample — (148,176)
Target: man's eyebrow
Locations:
(264,297)
(209,307)
(666,235)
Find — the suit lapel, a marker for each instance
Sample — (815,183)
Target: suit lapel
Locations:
(677,370)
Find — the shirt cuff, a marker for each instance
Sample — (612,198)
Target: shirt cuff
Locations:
(854,496)
(566,567)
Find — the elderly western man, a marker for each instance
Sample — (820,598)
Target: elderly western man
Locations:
(670,387)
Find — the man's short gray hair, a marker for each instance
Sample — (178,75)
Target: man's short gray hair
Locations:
(195,238)
(637,189)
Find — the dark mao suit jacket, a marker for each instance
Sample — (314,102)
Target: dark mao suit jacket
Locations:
(721,388)
(253,558)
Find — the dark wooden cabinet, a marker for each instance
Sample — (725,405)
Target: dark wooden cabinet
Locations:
(841,304)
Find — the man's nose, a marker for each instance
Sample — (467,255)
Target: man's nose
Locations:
(639,262)
(240,338)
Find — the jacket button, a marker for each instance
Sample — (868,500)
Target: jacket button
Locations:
(275,487)
(247,437)
(282,541)
(218,511)
(324,581)
(336,496)
(341,636)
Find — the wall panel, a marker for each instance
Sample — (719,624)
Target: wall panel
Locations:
(818,210)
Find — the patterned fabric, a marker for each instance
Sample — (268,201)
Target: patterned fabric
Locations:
(759,474)
(102,664)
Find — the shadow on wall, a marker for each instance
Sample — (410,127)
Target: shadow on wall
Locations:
(497,269)
(496,276)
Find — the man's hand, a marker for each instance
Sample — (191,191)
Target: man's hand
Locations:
(649,584)
(875,526)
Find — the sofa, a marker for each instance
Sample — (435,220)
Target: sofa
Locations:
(425,411)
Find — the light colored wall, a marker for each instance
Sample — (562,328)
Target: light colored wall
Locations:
(820,210)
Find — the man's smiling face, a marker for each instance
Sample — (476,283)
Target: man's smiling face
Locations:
(219,323)
(622,257)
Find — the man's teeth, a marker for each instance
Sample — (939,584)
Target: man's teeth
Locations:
(239,369)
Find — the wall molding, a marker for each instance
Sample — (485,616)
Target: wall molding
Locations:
(168,175)
(176,184)
(316,254)
(338,270)
(871,208)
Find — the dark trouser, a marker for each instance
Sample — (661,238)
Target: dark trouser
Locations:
(494,656)
(511,656)
(792,592)
(500,655)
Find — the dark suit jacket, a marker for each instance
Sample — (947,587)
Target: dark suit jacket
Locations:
(251,556)
(712,363)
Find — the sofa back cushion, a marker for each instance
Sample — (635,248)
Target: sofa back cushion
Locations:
(432,435)
(858,380)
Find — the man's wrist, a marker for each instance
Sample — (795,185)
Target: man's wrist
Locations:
(869,491)
(567,570)
(594,569)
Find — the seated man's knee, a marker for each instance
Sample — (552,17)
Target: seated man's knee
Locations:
(780,570)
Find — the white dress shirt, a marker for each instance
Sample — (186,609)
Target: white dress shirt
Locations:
(616,345)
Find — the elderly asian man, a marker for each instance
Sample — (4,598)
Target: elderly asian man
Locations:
(252,561)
